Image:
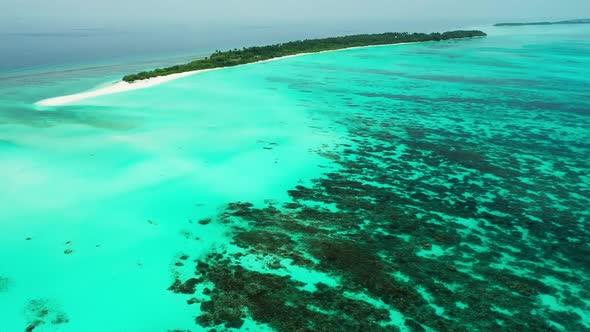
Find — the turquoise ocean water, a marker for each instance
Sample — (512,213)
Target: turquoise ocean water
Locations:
(425,187)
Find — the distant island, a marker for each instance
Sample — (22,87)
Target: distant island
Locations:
(260,53)
(578,21)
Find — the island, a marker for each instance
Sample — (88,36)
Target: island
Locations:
(235,57)
(576,21)
(247,55)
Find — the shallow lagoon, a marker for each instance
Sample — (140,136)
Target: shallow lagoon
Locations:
(432,186)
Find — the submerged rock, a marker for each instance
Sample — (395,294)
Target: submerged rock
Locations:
(205,221)
(4,283)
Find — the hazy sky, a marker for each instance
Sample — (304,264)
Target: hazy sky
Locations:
(94,12)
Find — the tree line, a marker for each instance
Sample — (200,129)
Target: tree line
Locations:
(246,55)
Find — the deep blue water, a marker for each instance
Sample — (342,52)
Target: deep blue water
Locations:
(31,47)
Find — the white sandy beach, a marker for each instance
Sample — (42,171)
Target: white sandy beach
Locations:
(116,87)
(122,86)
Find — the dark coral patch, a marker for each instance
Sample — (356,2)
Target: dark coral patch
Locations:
(187,287)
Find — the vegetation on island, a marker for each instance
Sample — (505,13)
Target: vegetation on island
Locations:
(577,21)
(259,53)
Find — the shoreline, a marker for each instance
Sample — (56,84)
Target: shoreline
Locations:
(122,86)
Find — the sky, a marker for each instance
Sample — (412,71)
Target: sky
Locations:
(105,12)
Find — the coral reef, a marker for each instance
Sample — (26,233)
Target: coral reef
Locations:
(42,312)
(432,215)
